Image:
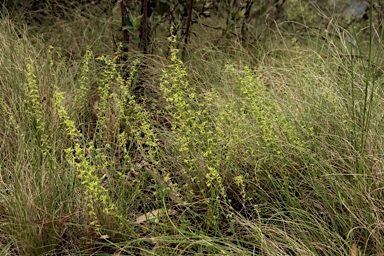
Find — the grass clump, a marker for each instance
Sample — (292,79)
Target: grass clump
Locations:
(196,142)
(276,153)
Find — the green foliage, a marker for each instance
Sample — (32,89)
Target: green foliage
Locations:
(301,11)
(196,140)
(232,152)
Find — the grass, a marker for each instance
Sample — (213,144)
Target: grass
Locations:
(232,152)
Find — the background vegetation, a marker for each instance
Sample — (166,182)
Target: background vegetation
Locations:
(191,127)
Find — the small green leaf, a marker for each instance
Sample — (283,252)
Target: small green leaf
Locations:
(242,13)
(130,29)
(127,21)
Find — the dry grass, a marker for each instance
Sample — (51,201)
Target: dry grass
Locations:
(275,152)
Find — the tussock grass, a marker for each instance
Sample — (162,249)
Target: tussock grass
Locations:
(231,152)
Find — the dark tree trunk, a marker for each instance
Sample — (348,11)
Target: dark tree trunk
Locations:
(124,16)
(144,27)
(247,14)
(188,27)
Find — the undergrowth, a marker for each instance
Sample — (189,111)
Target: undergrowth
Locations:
(278,155)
